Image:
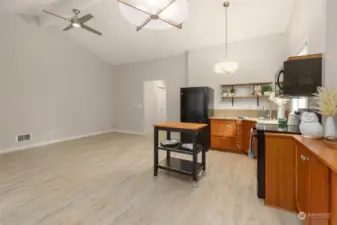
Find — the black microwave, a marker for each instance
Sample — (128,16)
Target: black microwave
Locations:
(300,76)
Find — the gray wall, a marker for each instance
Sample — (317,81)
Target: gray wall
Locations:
(308,23)
(259,60)
(49,86)
(129,112)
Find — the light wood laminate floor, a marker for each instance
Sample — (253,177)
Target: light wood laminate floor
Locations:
(108,179)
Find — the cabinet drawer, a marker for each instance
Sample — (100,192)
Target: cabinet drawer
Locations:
(223,143)
(223,128)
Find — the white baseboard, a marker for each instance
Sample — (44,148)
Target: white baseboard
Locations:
(24,147)
(129,132)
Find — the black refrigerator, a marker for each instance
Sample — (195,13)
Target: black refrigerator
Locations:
(196,106)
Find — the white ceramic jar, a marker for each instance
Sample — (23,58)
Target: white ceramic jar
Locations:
(310,127)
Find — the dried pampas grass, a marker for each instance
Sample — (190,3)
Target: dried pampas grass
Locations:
(326,101)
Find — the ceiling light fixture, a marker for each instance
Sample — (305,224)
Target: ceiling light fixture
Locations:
(228,66)
(76,25)
(155,14)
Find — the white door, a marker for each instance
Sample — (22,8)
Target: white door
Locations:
(154,104)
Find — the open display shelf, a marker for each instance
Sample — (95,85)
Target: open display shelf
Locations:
(247,96)
(179,166)
(178,149)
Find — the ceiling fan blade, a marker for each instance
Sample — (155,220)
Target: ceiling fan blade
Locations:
(90,29)
(144,24)
(61,17)
(180,26)
(68,27)
(85,18)
(141,10)
(168,5)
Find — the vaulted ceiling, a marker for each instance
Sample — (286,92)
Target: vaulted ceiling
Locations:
(120,43)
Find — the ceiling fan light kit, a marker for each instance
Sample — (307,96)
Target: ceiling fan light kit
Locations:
(228,66)
(76,21)
(154,14)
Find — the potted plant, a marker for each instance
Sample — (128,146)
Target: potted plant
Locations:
(327,106)
(266,90)
(232,92)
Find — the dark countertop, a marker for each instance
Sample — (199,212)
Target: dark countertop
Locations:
(275,128)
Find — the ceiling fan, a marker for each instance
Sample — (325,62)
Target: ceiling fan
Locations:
(76,21)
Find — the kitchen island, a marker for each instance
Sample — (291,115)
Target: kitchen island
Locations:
(182,166)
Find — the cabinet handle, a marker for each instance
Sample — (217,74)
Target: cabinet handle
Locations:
(304,158)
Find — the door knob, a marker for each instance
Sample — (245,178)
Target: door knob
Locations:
(304,158)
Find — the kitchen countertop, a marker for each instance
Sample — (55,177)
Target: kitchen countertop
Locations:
(232,118)
(275,128)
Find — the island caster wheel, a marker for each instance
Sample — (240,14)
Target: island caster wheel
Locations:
(203,173)
(195,184)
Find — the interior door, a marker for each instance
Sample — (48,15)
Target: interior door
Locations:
(302,180)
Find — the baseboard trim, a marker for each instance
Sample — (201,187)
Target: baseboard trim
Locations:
(24,147)
(129,132)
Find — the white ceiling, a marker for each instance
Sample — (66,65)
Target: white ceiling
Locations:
(121,43)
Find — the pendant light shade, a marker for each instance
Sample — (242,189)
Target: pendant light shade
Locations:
(228,66)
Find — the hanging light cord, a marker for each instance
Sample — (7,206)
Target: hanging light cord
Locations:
(226,4)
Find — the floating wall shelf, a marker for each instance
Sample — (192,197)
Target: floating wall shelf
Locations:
(248,96)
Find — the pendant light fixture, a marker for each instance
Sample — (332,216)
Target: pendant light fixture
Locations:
(228,66)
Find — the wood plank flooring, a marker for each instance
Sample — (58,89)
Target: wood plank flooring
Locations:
(108,179)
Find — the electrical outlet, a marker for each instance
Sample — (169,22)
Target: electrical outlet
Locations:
(23,137)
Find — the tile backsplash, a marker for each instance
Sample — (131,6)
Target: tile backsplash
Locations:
(240,112)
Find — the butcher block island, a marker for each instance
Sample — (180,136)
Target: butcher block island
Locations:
(231,134)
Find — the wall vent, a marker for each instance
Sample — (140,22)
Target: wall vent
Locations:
(23,137)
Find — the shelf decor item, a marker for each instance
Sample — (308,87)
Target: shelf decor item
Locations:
(280,102)
(327,106)
(224,93)
(232,92)
(266,90)
(310,127)
(258,90)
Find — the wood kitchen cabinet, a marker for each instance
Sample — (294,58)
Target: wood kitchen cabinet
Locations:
(226,135)
(312,187)
(280,171)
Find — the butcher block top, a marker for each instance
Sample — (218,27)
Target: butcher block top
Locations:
(326,152)
(179,125)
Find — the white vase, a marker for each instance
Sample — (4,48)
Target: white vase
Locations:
(281,112)
(330,127)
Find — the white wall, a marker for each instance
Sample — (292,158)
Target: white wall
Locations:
(331,52)
(259,60)
(308,23)
(129,90)
(49,86)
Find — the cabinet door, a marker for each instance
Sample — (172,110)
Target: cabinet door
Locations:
(223,128)
(280,171)
(302,179)
(319,186)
